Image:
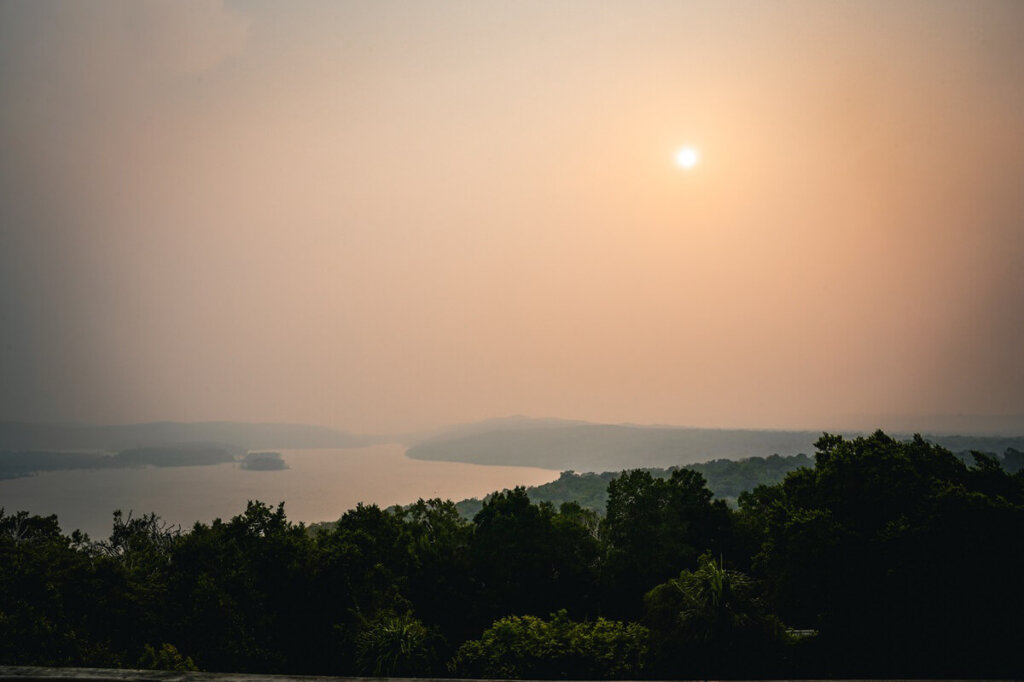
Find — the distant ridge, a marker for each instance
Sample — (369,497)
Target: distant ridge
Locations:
(606,447)
(29,436)
(582,446)
(511,422)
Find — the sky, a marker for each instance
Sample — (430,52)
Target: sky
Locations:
(387,216)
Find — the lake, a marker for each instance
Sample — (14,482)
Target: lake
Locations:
(319,485)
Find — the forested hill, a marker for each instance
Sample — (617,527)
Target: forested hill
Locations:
(14,464)
(20,436)
(725,478)
(577,446)
(608,447)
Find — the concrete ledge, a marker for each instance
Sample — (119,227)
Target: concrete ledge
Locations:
(30,673)
(43,674)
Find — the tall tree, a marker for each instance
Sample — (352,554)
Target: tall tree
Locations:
(880,547)
(531,559)
(711,622)
(653,528)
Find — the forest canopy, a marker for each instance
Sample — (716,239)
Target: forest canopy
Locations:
(881,558)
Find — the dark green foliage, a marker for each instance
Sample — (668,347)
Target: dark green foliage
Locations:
(441,579)
(894,559)
(653,527)
(395,645)
(530,558)
(726,478)
(43,577)
(167,657)
(711,622)
(589,490)
(879,548)
(528,647)
(241,591)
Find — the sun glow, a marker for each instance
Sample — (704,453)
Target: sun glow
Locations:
(687,157)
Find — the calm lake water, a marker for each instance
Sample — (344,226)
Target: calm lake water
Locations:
(319,485)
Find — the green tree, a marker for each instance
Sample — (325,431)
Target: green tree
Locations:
(879,548)
(167,657)
(395,645)
(362,568)
(528,647)
(440,581)
(529,558)
(710,622)
(653,528)
(241,594)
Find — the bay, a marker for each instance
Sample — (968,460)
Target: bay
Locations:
(318,485)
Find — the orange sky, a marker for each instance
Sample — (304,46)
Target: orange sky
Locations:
(391,215)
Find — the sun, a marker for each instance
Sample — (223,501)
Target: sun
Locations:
(687,157)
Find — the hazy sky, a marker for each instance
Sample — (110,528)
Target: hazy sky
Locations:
(392,215)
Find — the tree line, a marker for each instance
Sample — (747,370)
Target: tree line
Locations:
(726,478)
(883,559)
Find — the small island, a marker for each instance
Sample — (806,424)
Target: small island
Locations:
(264,461)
